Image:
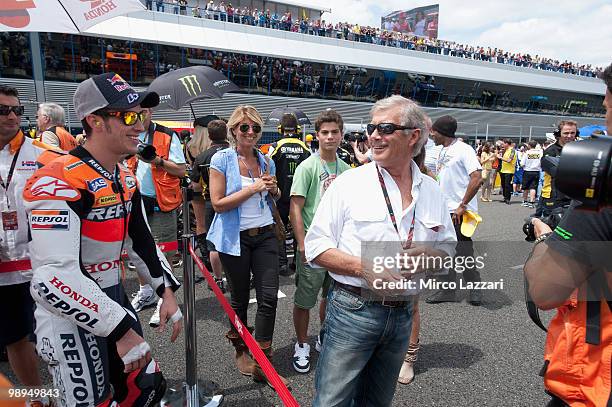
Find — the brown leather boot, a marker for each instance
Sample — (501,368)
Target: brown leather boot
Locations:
(258,374)
(243,360)
(406,375)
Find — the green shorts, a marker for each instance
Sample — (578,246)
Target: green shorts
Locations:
(309,281)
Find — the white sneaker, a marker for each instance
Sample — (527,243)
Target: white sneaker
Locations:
(140,300)
(154,321)
(301,357)
(318,344)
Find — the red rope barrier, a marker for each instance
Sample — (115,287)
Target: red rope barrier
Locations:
(282,391)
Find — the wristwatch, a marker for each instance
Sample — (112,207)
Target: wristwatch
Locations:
(542,237)
(160,163)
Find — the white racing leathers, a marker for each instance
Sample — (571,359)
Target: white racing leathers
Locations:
(81,217)
(14,257)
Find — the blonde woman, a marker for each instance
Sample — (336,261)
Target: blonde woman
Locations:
(199,143)
(242,190)
(488,173)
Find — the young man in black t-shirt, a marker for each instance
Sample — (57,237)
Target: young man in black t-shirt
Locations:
(217,132)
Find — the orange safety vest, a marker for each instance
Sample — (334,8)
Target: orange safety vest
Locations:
(66,140)
(167,187)
(578,356)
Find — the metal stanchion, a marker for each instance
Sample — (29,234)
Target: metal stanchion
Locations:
(195,393)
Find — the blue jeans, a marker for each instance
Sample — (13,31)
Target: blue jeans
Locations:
(363,349)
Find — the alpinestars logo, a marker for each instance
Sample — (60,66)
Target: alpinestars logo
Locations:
(99,8)
(53,187)
(190,82)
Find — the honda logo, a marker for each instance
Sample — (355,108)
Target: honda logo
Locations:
(190,82)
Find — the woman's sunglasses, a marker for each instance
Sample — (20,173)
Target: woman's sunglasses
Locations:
(385,128)
(244,128)
(129,118)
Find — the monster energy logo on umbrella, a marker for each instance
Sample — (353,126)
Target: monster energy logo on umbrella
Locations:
(183,86)
(190,82)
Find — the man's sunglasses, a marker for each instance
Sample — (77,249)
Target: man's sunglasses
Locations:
(385,128)
(6,110)
(129,118)
(244,128)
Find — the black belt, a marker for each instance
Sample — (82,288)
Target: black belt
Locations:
(363,293)
(257,231)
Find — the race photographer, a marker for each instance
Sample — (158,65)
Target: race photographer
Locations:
(359,146)
(569,269)
(158,177)
(565,133)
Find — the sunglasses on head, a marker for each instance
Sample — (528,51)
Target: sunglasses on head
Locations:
(128,118)
(385,128)
(6,110)
(244,128)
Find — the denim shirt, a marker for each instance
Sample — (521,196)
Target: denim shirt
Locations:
(224,231)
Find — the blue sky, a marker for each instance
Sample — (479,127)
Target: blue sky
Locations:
(576,30)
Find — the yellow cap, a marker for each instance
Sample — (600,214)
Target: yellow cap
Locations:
(470,222)
(309,138)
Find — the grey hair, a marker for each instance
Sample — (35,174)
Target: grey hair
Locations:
(54,112)
(411,116)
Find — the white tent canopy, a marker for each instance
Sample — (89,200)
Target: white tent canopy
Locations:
(62,16)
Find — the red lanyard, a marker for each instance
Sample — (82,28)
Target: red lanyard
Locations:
(408,242)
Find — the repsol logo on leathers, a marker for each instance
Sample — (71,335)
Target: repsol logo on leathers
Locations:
(66,308)
(78,384)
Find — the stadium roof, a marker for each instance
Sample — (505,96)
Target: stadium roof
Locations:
(303,4)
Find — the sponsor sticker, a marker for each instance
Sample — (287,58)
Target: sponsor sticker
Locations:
(74,165)
(106,200)
(132,97)
(49,219)
(95,185)
(130,181)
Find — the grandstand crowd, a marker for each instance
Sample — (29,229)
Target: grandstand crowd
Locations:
(223,11)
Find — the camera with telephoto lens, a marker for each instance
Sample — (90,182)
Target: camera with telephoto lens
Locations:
(147,152)
(355,136)
(584,172)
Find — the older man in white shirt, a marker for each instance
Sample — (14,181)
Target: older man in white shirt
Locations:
(389,200)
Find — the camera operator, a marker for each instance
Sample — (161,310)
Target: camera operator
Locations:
(159,183)
(569,270)
(359,144)
(566,132)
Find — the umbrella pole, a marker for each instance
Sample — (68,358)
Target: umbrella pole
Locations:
(195,393)
(192,112)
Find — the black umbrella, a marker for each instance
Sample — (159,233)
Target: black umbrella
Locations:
(182,86)
(277,114)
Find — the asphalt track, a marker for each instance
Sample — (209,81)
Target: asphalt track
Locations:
(470,356)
